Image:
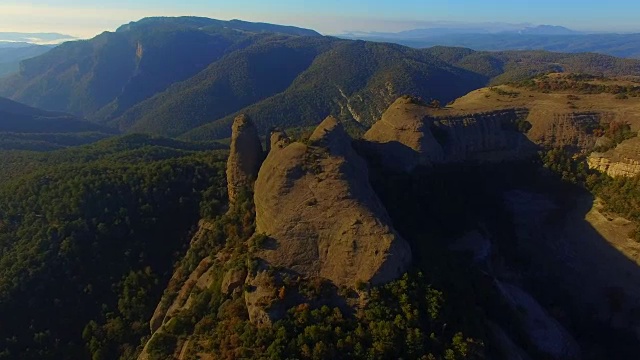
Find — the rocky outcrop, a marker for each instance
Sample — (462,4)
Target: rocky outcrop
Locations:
(181,283)
(408,135)
(233,281)
(322,218)
(260,298)
(411,134)
(245,156)
(404,137)
(569,130)
(184,283)
(623,160)
(483,136)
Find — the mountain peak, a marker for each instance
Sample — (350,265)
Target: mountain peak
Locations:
(196,22)
(548,30)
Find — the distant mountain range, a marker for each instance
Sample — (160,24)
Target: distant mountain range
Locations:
(500,37)
(17,39)
(15,47)
(189,76)
(11,56)
(438,30)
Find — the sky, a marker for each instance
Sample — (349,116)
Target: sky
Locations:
(87,18)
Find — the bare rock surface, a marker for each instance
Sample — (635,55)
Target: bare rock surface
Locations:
(233,280)
(404,128)
(412,134)
(623,160)
(245,156)
(316,205)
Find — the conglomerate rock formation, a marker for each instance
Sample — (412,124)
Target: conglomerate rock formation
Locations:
(322,217)
(408,135)
(245,156)
(623,160)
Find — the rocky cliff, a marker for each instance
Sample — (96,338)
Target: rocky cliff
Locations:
(245,156)
(495,135)
(403,137)
(569,130)
(317,221)
(623,160)
(411,134)
(322,218)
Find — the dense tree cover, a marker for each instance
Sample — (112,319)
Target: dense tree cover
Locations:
(571,168)
(18,118)
(47,142)
(117,70)
(126,149)
(369,76)
(88,238)
(407,318)
(265,68)
(176,76)
(616,132)
(621,195)
(352,80)
(434,208)
(403,319)
(25,128)
(511,66)
(578,83)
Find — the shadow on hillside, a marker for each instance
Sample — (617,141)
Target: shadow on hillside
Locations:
(540,239)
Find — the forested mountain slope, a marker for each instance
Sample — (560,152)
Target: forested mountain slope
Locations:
(111,72)
(190,76)
(88,237)
(27,128)
(358,80)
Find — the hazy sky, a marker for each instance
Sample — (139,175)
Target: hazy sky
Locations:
(89,17)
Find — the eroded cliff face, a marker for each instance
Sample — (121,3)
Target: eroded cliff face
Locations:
(403,138)
(410,134)
(484,136)
(245,156)
(623,160)
(322,218)
(322,223)
(566,129)
(186,284)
